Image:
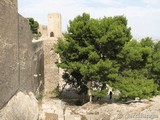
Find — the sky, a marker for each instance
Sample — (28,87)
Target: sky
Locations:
(143,15)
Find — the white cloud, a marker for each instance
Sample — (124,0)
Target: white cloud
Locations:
(109,2)
(151,1)
(144,21)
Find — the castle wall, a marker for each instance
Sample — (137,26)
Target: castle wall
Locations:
(43,30)
(38,66)
(25,54)
(21,61)
(31,58)
(51,71)
(9,57)
(54,24)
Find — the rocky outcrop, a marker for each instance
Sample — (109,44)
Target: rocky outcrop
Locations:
(20,107)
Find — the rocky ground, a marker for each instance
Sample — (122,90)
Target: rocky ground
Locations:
(24,107)
(140,110)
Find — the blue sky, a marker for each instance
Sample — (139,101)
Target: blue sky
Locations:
(143,15)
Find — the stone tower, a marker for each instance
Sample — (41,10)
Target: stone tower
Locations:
(54,25)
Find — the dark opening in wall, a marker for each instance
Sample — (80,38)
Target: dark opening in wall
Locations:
(51,34)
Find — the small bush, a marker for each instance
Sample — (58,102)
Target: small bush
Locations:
(37,36)
(55,91)
(40,96)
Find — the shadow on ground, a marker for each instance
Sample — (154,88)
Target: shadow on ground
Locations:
(70,97)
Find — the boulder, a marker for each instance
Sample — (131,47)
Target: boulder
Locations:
(21,107)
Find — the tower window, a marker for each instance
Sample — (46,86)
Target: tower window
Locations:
(51,34)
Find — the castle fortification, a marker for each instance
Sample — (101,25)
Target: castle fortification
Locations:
(21,60)
(43,30)
(54,26)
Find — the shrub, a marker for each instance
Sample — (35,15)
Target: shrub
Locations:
(40,96)
(100,94)
(131,88)
(55,91)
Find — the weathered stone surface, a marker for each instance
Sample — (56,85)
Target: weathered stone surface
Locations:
(31,59)
(25,55)
(72,117)
(51,116)
(53,30)
(43,30)
(20,59)
(20,107)
(38,66)
(51,71)
(9,63)
(52,107)
(54,25)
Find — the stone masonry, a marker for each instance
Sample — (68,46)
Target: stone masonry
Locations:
(21,61)
(51,71)
(43,30)
(54,26)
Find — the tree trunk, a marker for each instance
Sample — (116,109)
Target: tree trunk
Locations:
(89,85)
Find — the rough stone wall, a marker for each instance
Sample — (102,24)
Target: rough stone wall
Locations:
(31,59)
(21,61)
(25,54)
(51,72)
(9,58)
(54,24)
(38,66)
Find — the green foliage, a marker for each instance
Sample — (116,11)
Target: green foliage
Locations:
(147,42)
(156,64)
(157,46)
(55,91)
(101,50)
(40,96)
(100,94)
(89,46)
(37,36)
(135,56)
(131,88)
(34,25)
